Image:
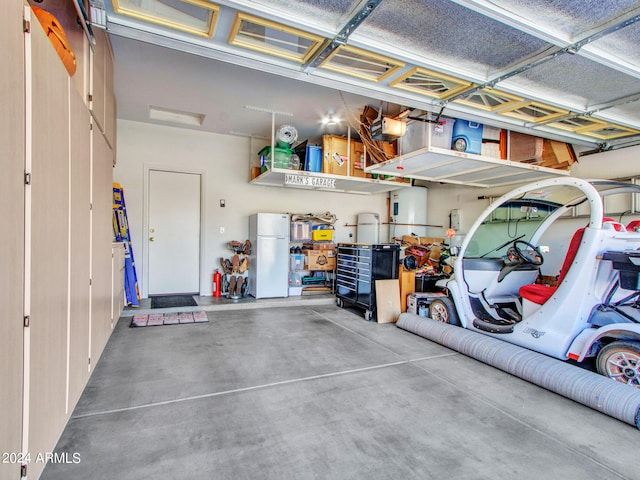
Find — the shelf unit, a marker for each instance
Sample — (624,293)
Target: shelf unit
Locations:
(449,166)
(279,177)
(326,248)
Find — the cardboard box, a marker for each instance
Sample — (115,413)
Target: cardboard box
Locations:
(357,160)
(491,137)
(337,155)
(430,240)
(557,155)
(524,148)
(321,259)
(320,246)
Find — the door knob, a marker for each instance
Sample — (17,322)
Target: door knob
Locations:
(152,239)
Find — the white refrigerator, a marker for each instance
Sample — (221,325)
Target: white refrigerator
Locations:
(269,260)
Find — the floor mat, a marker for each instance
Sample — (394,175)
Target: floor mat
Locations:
(157,319)
(168,301)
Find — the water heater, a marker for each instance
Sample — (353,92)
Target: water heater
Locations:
(408,212)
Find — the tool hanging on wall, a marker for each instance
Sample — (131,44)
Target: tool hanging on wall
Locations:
(122,234)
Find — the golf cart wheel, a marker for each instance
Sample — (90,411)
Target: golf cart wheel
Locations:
(459,144)
(443,310)
(620,361)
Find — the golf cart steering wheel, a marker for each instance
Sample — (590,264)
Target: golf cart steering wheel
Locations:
(530,254)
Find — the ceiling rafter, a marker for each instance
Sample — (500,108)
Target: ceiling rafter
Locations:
(362,12)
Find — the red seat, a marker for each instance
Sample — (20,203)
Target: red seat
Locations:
(539,294)
(617,226)
(633,226)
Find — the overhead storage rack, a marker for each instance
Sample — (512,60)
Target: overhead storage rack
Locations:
(283,177)
(449,166)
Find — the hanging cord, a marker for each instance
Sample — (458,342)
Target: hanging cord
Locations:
(376,153)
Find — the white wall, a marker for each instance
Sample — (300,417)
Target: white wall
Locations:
(225,162)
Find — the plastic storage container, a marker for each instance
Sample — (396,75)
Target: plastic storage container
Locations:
(295,279)
(425,134)
(296,261)
(313,159)
(321,235)
(300,231)
(467,137)
(282,157)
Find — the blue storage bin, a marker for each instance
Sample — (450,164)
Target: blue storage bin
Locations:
(313,160)
(467,137)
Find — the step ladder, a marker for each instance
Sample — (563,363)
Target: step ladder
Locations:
(122,234)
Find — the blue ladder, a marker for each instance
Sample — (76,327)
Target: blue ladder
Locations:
(121,231)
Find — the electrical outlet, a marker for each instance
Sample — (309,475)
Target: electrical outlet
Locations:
(221,230)
(223,203)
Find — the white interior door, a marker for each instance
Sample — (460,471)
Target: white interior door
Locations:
(174,232)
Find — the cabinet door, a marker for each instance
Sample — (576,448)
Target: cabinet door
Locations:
(117,282)
(12,213)
(48,277)
(109,99)
(79,295)
(97,78)
(101,239)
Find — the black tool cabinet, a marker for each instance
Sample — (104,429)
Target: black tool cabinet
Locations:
(358,266)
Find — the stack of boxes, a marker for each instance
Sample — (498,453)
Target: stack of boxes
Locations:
(312,256)
(336,154)
(321,251)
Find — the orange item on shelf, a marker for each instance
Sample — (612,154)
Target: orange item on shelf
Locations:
(57,37)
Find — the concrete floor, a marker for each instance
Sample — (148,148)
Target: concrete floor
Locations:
(311,391)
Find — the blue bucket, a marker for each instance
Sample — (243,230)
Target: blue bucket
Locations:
(467,136)
(313,160)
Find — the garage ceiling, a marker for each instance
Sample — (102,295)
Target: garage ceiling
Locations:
(560,69)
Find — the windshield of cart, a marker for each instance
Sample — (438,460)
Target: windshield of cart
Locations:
(520,218)
(514,220)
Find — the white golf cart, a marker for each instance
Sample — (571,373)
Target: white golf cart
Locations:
(592,310)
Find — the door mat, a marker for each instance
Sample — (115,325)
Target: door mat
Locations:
(156,319)
(168,301)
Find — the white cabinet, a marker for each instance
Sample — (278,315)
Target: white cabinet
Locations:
(47,220)
(102,100)
(117,281)
(12,147)
(57,181)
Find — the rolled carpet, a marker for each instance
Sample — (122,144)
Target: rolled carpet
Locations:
(595,391)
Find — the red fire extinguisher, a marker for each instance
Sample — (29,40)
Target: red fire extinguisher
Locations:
(217,280)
